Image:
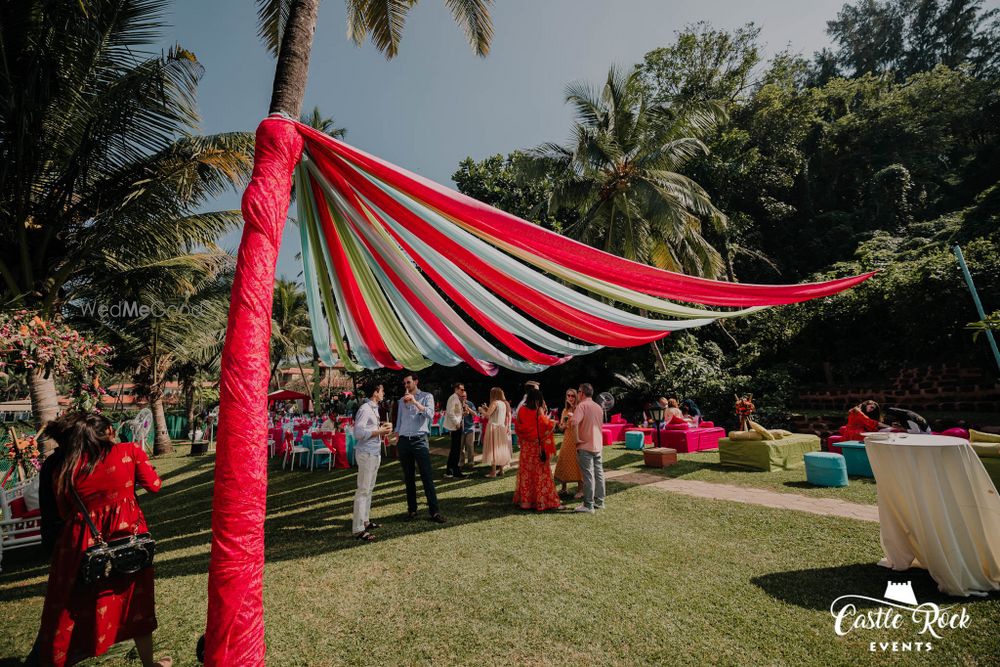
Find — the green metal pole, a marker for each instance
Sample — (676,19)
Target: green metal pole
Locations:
(975,300)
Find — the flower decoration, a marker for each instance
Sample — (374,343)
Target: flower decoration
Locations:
(29,343)
(744,407)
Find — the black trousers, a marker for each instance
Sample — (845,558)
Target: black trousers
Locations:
(414,455)
(455,452)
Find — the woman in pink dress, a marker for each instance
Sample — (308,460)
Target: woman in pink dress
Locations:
(497,447)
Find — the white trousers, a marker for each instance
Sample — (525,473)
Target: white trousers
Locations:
(367,472)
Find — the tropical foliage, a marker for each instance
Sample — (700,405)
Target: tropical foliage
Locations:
(101,166)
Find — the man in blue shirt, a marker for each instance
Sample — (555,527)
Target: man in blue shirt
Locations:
(413,420)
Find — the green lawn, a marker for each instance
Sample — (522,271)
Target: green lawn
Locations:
(657,578)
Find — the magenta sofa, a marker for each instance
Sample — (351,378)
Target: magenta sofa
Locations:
(684,439)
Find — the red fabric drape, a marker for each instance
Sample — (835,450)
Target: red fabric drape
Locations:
(235,628)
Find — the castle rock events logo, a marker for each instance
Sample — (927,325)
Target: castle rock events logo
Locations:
(898,609)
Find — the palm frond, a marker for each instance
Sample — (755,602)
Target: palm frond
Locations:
(474,18)
(272,16)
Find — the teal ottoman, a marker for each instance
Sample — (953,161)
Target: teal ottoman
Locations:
(635,440)
(856,458)
(825,469)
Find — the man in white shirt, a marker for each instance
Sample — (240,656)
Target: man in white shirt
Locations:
(413,420)
(368,432)
(454,415)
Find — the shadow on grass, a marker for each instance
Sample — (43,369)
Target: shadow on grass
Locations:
(817,588)
(308,513)
(803,484)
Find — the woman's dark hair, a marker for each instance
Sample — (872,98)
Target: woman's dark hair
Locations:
(689,407)
(871,410)
(83,441)
(535,399)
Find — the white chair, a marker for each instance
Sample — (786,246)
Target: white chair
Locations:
(320,449)
(270,447)
(477,433)
(20,531)
(292,452)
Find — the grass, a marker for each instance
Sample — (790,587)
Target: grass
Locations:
(704,466)
(657,578)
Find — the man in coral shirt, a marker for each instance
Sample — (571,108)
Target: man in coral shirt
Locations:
(588,418)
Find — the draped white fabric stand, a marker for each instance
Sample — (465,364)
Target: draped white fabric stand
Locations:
(938,509)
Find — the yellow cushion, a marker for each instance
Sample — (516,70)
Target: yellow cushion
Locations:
(765,434)
(989,450)
(745,435)
(780,432)
(979,436)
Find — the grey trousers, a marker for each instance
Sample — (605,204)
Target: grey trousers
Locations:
(592,470)
(469,449)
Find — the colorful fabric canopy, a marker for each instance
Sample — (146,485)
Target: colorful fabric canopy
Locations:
(399,273)
(392,261)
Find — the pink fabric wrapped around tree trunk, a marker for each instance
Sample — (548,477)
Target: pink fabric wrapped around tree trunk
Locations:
(235,628)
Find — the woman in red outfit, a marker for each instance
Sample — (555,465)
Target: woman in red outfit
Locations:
(80,620)
(535,486)
(862,419)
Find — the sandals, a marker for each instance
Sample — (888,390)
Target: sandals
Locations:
(371,525)
(365,536)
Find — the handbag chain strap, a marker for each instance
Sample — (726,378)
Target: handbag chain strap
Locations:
(86,515)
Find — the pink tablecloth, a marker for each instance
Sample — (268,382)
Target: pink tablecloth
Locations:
(335,442)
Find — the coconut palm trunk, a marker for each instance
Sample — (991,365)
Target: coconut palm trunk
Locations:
(162,444)
(44,401)
(235,585)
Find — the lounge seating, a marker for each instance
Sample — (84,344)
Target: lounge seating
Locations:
(635,440)
(659,457)
(617,430)
(825,469)
(19,526)
(856,458)
(683,439)
(768,455)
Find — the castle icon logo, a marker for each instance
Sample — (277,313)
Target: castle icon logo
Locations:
(902,593)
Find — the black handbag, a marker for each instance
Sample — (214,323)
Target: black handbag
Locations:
(126,555)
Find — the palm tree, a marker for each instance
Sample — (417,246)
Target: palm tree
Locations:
(318,121)
(188,295)
(621,176)
(291,333)
(287,27)
(98,149)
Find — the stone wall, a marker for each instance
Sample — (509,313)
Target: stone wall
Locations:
(939,388)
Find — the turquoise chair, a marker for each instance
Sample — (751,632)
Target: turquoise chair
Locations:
(856,458)
(825,469)
(350,448)
(317,448)
(635,440)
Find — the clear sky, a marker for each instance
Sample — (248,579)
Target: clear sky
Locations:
(436,103)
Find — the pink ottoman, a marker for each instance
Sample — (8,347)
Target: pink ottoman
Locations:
(617,430)
(606,436)
(690,439)
(831,443)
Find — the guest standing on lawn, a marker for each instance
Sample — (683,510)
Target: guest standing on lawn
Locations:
(454,413)
(368,432)
(79,620)
(413,418)
(567,467)
(497,447)
(535,488)
(468,431)
(588,418)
